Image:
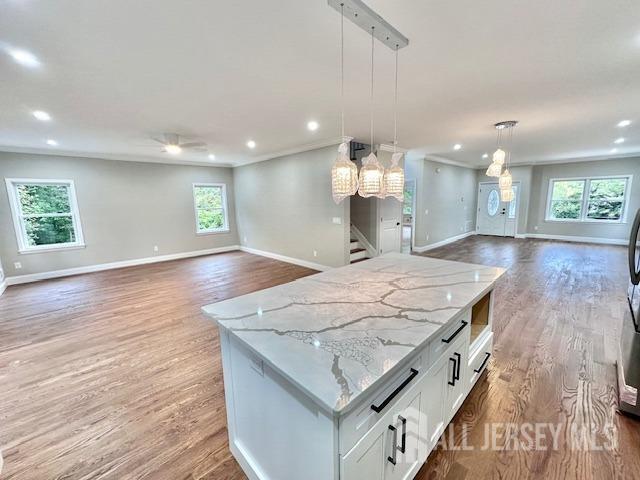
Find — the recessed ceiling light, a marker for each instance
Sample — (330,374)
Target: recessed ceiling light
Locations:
(51,142)
(41,115)
(251,144)
(173,149)
(312,125)
(486,155)
(619,140)
(613,150)
(457,146)
(23,57)
(212,156)
(624,123)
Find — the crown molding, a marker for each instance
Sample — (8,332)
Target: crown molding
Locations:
(298,149)
(108,156)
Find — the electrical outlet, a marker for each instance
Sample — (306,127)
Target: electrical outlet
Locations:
(17,265)
(244,239)
(426,212)
(426,236)
(315,253)
(155,248)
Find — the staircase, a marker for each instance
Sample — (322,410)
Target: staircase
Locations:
(357,252)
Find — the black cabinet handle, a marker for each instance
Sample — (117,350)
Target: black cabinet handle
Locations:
(403,438)
(392,458)
(455,363)
(457,374)
(484,362)
(455,334)
(386,401)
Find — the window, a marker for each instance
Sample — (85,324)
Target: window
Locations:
(210,200)
(493,202)
(600,199)
(45,214)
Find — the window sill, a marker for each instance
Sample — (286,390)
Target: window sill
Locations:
(51,249)
(212,232)
(600,222)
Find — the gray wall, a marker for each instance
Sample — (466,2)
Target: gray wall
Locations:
(125,209)
(523,175)
(285,206)
(445,200)
(540,188)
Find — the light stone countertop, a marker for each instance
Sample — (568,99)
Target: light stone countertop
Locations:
(338,333)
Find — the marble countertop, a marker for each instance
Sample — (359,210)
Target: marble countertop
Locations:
(338,333)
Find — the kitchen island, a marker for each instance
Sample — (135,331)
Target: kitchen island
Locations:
(355,372)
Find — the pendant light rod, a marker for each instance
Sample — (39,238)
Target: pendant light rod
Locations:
(371,107)
(365,18)
(395,108)
(342,72)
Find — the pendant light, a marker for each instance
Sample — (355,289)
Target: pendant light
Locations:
(505,180)
(394,175)
(344,174)
(372,173)
(495,169)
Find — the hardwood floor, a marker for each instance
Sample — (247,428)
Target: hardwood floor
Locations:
(117,375)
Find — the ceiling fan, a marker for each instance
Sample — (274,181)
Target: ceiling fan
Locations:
(171,144)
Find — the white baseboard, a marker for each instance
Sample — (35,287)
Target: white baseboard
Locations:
(3,286)
(34,277)
(446,241)
(521,235)
(572,238)
(363,240)
(284,258)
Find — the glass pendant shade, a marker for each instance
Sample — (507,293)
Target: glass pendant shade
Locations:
(506,194)
(394,178)
(371,182)
(498,156)
(505,181)
(344,175)
(494,170)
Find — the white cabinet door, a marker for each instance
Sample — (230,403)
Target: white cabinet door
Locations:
(457,371)
(433,401)
(394,448)
(410,449)
(366,460)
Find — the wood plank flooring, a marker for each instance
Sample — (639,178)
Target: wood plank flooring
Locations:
(117,375)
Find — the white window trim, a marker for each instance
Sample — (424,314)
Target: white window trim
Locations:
(225,227)
(18,224)
(585,200)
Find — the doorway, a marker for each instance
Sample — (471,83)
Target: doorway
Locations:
(408,215)
(495,217)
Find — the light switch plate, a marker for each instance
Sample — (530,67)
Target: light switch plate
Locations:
(337,220)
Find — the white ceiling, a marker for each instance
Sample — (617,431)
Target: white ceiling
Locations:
(115,72)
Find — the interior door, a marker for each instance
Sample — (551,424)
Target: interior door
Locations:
(491,211)
(390,234)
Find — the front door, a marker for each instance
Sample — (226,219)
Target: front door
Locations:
(494,216)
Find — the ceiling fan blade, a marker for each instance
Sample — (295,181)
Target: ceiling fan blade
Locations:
(193,145)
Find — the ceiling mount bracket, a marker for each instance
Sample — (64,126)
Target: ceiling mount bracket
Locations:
(365,18)
(506,124)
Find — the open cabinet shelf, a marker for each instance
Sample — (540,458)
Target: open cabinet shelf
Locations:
(480,317)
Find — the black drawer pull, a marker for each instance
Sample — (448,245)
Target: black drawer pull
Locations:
(403,438)
(392,458)
(486,359)
(455,334)
(457,374)
(386,401)
(452,382)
